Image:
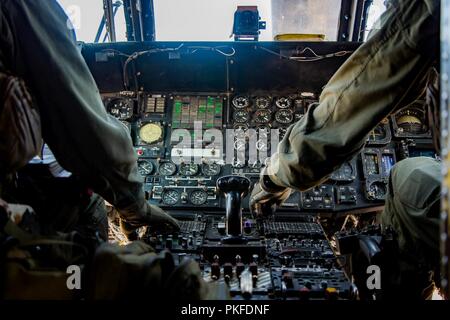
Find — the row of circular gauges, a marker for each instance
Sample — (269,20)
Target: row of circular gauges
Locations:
(196,197)
(242,132)
(375,191)
(265,101)
(146,167)
(264,116)
(407,122)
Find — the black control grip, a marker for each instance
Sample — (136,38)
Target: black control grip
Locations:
(234,188)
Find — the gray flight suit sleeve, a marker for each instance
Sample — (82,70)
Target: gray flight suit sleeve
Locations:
(38,45)
(370,85)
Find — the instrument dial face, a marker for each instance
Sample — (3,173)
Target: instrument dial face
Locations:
(241,116)
(241,102)
(283,102)
(378,134)
(411,121)
(263,116)
(150,133)
(239,144)
(167,169)
(284,116)
(240,131)
(344,173)
(170,197)
(121,109)
(238,164)
(240,126)
(262,145)
(189,169)
(211,169)
(262,102)
(145,167)
(263,131)
(377,190)
(198,197)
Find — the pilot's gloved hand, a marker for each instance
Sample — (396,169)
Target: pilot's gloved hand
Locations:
(146,215)
(266,196)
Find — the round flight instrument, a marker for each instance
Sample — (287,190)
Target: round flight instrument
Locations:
(344,173)
(151,133)
(167,169)
(241,116)
(170,197)
(412,120)
(262,102)
(241,102)
(263,132)
(121,109)
(198,197)
(238,164)
(262,145)
(145,167)
(283,102)
(211,169)
(377,190)
(378,134)
(284,116)
(188,169)
(262,116)
(240,131)
(240,127)
(239,144)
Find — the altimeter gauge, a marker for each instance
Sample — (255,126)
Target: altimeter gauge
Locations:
(151,133)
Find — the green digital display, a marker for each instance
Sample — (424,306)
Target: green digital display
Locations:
(189,109)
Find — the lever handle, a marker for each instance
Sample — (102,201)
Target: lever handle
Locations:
(234,188)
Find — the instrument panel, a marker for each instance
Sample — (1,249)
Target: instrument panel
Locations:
(190,128)
(290,256)
(184,142)
(279,259)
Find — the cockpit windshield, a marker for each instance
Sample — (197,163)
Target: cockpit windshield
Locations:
(207,20)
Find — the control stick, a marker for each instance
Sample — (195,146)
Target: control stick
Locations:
(235,188)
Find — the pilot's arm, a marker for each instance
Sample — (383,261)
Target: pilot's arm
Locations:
(37,44)
(370,85)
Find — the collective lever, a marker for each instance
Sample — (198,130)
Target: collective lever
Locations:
(234,189)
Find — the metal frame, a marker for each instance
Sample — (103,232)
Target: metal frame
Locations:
(353,19)
(360,24)
(345,20)
(445,138)
(109,19)
(140,20)
(116,5)
(148,20)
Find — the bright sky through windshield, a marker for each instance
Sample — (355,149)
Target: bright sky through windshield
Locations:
(207,20)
